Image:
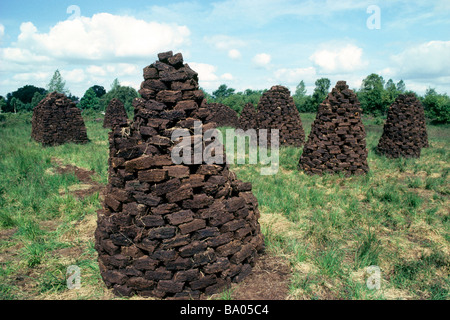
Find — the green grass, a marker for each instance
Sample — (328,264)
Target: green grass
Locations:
(329,228)
(397,211)
(38,209)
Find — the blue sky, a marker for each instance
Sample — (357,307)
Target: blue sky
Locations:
(243,43)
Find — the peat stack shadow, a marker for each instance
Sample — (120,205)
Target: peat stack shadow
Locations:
(337,142)
(247,119)
(57,120)
(115,114)
(277,110)
(404,133)
(172,231)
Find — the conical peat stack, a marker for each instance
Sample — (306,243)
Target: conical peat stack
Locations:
(57,120)
(277,110)
(404,132)
(337,140)
(222,115)
(172,230)
(247,120)
(115,114)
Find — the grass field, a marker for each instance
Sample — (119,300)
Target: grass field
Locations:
(327,229)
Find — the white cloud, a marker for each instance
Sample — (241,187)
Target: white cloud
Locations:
(345,59)
(102,37)
(296,75)
(234,54)
(206,72)
(224,42)
(427,60)
(2,31)
(73,76)
(132,84)
(96,71)
(262,59)
(207,77)
(18,55)
(227,76)
(32,76)
(87,50)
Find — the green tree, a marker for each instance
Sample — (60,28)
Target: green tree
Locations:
(99,91)
(371,95)
(234,100)
(115,84)
(300,90)
(89,100)
(437,106)
(390,93)
(123,93)
(37,97)
(57,84)
(24,95)
(2,104)
(319,94)
(17,105)
(300,98)
(401,87)
(223,91)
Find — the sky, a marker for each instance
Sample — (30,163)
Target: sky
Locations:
(245,44)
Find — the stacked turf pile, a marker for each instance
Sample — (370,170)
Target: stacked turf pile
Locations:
(337,139)
(404,132)
(167,230)
(221,115)
(247,120)
(56,120)
(277,110)
(115,114)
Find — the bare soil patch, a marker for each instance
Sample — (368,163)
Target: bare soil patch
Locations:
(269,280)
(88,185)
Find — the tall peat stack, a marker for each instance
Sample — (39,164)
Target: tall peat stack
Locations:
(115,114)
(404,132)
(167,230)
(247,120)
(277,110)
(337,140)
(57,120)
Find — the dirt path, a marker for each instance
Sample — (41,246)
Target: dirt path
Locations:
(88,185)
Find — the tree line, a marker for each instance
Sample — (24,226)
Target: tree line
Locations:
(96,98)
(375,96)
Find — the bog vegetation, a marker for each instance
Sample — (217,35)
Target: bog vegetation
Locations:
(327,229)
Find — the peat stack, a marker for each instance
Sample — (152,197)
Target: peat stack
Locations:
(57,120)
(277,110)
(337,140)
(171,230)
(115,114)
(221,115)
(247,120)
(404,133)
